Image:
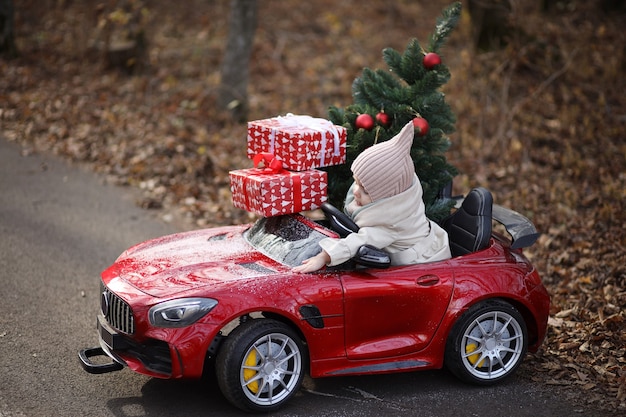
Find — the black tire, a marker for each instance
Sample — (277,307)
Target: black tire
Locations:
(479,352)
(260,365)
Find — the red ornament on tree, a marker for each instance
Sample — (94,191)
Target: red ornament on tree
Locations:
(421,125)
(431,60)
(364,121)
(383,119)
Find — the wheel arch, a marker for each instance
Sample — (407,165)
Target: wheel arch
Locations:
(231,325)
(529,318)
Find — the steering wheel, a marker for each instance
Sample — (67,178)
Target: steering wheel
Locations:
(339,221)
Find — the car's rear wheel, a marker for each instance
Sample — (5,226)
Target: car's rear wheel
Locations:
(261,365)
(487,343)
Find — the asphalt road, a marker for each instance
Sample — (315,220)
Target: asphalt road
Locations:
(61,225)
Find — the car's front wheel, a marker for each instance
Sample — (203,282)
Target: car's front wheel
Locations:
(261,365)
(487,343)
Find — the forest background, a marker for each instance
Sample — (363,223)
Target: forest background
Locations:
(541,123)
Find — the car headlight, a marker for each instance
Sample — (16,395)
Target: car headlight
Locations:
(181,312)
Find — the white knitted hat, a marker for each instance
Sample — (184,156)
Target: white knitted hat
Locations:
(386,169)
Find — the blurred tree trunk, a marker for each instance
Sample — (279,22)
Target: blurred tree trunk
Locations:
(120,37)
(233,94)
(490,23)
(7,29)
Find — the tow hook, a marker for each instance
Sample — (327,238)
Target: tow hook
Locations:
(85,356)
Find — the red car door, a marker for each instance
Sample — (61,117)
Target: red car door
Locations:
(394,311)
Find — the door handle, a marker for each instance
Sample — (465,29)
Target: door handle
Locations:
(427,280)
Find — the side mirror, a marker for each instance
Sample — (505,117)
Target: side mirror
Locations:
(372,257)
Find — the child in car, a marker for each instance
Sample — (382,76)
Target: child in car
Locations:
(385,201)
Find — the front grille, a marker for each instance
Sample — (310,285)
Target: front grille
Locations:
(117,313)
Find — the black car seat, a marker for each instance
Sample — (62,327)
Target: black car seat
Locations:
(469,228)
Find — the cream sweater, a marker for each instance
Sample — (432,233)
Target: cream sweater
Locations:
(397,224)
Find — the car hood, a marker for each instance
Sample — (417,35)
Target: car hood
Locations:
(181,262)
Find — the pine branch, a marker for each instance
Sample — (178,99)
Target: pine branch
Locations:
(411,68)
(393,59)
(444,27)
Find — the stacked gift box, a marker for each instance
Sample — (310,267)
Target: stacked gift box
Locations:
(286,150)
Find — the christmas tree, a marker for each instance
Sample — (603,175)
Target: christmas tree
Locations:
(385,101)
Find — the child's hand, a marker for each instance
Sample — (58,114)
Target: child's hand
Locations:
(313,264)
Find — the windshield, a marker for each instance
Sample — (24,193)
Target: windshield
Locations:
(287,239)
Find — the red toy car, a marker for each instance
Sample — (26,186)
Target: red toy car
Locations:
(228,295)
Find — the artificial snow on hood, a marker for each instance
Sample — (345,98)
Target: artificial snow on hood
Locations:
(185,261)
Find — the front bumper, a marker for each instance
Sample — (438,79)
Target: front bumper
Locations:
(152,357)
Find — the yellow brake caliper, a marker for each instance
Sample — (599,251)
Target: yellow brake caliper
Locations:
(469,348)
(248,373)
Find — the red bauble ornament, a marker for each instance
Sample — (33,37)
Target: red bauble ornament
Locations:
(431,60)
(383,118)
(422,125)
(364,121)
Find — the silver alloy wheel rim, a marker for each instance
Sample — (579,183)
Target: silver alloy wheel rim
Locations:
(492,345)
(275,371)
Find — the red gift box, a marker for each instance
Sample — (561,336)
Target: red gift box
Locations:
(270,193)
(302,142)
